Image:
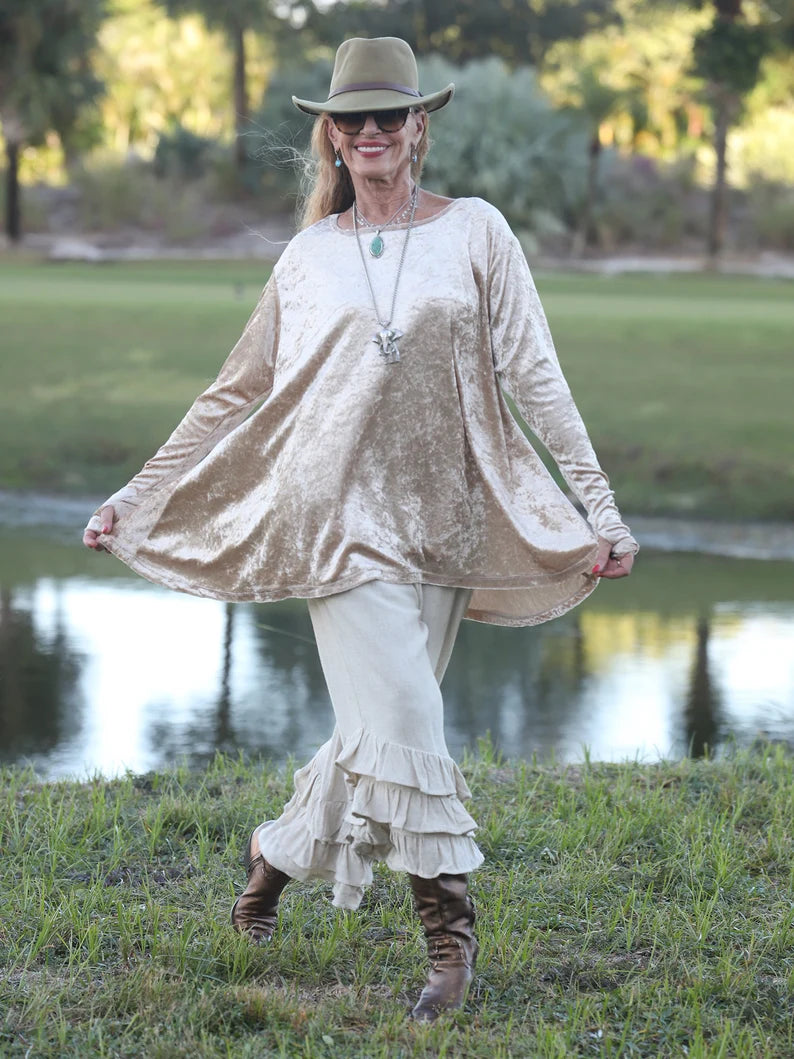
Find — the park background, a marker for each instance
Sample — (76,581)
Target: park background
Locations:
(609,126)
(644,155)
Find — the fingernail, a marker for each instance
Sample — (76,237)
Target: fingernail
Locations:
(106,529)
(596,568)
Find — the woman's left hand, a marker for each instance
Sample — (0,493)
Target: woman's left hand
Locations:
(606,566)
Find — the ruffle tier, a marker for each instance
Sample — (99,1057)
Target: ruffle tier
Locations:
(366,800)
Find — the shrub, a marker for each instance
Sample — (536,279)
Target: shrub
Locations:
(182,154)
(280,133)
(771,213)
(645,203)
(129,195)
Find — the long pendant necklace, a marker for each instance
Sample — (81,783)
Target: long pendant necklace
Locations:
(386,337)
(377,246)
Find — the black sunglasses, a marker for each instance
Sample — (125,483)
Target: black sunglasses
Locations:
(386,120)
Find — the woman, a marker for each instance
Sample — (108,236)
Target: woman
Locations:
(383,478)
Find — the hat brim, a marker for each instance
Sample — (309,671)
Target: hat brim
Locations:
(376,99)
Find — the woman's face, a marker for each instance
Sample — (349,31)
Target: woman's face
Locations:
(372,154)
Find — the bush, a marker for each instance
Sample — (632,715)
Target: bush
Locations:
(129,195)
(182,154)
(771,213)
(33,205)
(644,203)
(281,133)
(502,140)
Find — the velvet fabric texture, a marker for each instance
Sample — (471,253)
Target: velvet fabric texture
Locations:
(311,466)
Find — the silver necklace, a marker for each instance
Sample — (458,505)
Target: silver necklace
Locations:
(377,246)
(386,337)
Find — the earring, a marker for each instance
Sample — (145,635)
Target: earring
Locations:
(414,156)
(338,162)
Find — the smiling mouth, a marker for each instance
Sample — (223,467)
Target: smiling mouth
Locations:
(372,149)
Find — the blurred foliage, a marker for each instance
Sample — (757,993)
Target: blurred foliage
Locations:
(46,75)
(46,82)
(647,61)
(730,53)
(158,71)
(516,31)
(182,154)
(166,72)
(771,214)
(558,104)
(533,159)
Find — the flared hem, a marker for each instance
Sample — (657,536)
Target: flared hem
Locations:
(192,585)
(367,800)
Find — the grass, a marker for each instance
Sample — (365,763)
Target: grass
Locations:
(623,910)
(684,382)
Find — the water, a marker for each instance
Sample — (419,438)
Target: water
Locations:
(102,672)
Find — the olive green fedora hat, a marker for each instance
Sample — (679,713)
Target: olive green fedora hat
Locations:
(377,73)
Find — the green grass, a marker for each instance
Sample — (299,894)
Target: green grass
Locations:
(684,381)
(623,910)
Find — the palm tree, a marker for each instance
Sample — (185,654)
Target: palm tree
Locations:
(597,101)
(237,18)
(728,56)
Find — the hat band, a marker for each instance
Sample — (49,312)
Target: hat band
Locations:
(369,86)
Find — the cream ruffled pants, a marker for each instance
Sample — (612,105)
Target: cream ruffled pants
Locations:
(383,788)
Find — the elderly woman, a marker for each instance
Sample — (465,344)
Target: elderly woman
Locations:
(357,450)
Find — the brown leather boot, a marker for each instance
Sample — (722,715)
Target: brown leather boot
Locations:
(447,914)
(255,911)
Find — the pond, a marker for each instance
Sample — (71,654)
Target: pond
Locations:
(102,672)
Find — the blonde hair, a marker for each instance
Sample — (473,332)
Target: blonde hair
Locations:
(326,187)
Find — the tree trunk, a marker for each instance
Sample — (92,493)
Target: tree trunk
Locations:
(13,218)
(718,214)
(582,237)
(240,99)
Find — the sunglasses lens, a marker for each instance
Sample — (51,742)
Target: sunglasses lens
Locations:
(350,123)
(386,120)
(391,120)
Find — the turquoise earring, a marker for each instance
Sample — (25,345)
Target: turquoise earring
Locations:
(338,162)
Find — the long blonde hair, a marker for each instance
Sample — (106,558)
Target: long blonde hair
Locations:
(326,187)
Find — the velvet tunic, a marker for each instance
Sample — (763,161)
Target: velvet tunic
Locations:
(311,465)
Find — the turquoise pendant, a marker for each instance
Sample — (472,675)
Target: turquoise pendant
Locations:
(376,246)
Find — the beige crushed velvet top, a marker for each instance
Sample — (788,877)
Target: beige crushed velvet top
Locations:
(311,465)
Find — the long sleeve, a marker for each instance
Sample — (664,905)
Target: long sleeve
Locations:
(245,379)
(528,370)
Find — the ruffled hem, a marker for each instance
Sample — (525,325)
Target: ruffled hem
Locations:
(370,800)
(366,755)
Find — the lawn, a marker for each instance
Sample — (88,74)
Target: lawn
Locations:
(684,382)
(623,911)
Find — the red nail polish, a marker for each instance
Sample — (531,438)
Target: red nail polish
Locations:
(596,568)
(106,529)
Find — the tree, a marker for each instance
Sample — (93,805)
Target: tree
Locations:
(728,56)
(596,101)
(516,31)
(237,18)
(46,79)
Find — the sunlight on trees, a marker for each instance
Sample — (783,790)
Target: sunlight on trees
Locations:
(693,93)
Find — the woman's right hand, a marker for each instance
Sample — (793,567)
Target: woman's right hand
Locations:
(101,523)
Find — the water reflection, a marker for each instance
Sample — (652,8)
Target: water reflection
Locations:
(702,709)
(99,671)
(38,679)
